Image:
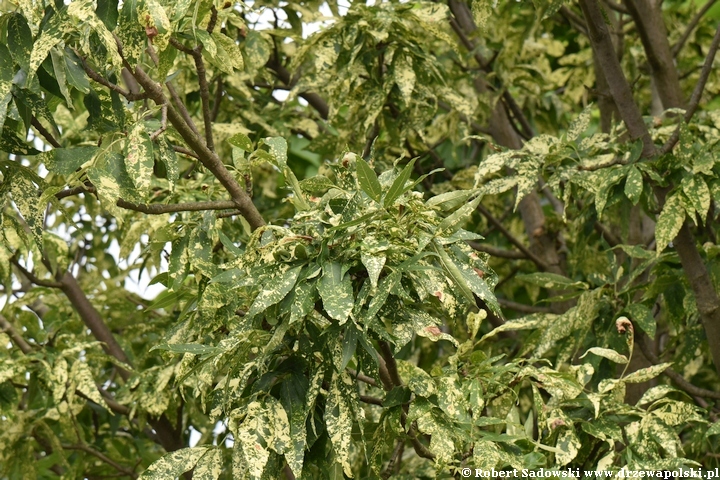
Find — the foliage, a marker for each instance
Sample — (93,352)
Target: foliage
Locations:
(392,240)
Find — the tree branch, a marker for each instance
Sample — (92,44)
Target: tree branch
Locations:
(315,100)
(496,223)
(208,158)
(17,339)
(697,92)
(494,251)
(691,26)
(31,276)
(102,457)
(605,52)
(676,377)
(42,131)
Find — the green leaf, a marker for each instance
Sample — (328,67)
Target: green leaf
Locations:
(368,180)
(398,186)
(11,143)
(58,62)
(336,291)
(19,39)
(210,466)
(450,200)
(192,348)
(107,11)
(76,75)
(551,281)
(85,384)
(645,374)
(698,193)
(634,185)
(275,288)
(65,161)
(339,422)
(278,150)
(669,222)
(242,141)
(642,316)
(579,125)
(454,221)
(174,464)
(139,158)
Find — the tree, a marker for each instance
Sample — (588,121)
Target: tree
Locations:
(400,239)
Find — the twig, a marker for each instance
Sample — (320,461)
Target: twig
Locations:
(17,339)
(521,307)
(676,377)
(697,93)
(315,100)
(362,378)
(31,276)
(131,97)
(185,151)
(158,208)
(397,453)
(573,19)
(163,123)
(46,135)
(386,353)
(204,96)
(103,457)
(691,26)
(609,236)
(496,223)
(371,400)
(218,99)
(616,6)
(494,251)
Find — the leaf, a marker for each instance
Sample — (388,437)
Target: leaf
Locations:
(453,221)
(210,466)
(579,124)
(374,265)
(252,436)
(85,383)
(642,317)
(50,35)
(634,185)
(450,200)
(607,353)
(58,62)
(336,291)
(568,446)
(191,348)
(139,158)
(645,374)
(230,50)
(174,464)
(669,222)
(339,422)
(242,141)
(398,186)
(368,180)
(11,143)
(698,193)
(278,149)
(275,288)
(19,39)
(65,161)
(551,281)
(107,12)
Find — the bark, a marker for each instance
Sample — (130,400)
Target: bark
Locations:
(647,16)
(708,302)
(542,242)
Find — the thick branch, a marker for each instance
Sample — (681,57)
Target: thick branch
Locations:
(647,16)
(92,319)
(315,100)
(697,92)
(208,158)
(605,52)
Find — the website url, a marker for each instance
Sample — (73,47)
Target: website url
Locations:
(577,473)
